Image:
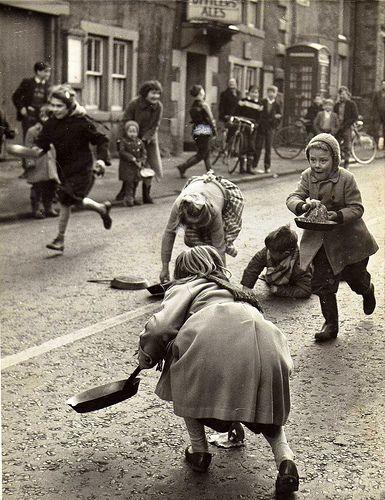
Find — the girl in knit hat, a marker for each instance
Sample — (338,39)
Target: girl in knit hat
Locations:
(133,156)
(342,253)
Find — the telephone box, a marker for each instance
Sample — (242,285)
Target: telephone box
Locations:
(307,73)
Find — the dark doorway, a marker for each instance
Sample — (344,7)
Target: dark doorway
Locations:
(195,75)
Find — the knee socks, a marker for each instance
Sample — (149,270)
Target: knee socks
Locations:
(279,447)
(197,434)
(65,213)
(93,205)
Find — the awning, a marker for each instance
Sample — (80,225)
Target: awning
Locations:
(51,7)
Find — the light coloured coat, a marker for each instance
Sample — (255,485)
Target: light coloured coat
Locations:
(223,359)
(350,241)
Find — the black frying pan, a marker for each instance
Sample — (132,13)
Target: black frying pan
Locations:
(106,395)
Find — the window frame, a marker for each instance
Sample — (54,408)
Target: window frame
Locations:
(258,4)
(119,76)
(94,73)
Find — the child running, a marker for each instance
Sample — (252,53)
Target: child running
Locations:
(72,133)
(342,253)
(280,257)
(133,155)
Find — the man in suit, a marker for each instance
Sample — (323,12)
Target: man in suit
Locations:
(378,106)
(31,95)
(347,113)
(269,120)
(228,100)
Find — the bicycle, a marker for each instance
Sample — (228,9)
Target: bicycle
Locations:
(232,151)
(364,146)
(291,140)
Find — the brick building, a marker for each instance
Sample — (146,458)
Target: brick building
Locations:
(105,49)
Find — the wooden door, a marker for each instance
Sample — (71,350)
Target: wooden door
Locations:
(24,40)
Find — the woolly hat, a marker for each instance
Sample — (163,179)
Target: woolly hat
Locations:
(332,145)
(131,123)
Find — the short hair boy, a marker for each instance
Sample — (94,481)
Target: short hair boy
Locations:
(280,257)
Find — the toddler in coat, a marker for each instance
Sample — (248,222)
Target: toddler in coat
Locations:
(133,156)
(280,257)
(326,120)
(342,253)
(41,173)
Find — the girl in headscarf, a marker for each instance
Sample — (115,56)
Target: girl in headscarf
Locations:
(72,133)
(342,253)
(209,209)
(224,363)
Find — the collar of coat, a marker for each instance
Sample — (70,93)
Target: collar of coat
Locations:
(144,104)
(333,177)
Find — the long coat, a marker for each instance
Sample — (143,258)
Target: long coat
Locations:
(223,359)
(350,241)
(228,102)
(148,116)
(133,155)
(23,95)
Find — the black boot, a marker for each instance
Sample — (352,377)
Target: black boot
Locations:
(329,310)
(136,200)
(369,301)
(146,194)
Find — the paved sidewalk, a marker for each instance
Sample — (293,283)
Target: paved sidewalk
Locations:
(14,192)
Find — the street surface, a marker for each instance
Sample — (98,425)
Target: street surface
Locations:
(56,342)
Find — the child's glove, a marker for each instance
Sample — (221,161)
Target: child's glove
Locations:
(99,168)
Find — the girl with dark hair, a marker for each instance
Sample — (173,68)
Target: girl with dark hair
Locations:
(210,210)
(147,111)
(71,133)
(203,130)
(211,334)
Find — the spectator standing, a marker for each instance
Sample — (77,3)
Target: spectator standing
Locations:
(378,106)
(228,100)
(326,120)
(41,172)
(147,111)
(270,118)
(312,112)
(250,107)
(31,95)
(347,113)
(133,156)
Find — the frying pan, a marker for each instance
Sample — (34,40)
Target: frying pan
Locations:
(159,289)
(123,282)
(22,151)
(303,223)
(106,395)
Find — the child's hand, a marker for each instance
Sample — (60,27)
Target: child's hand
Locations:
(332,215)
(273,289)
(311,204)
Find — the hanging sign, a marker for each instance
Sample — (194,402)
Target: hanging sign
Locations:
(224,11)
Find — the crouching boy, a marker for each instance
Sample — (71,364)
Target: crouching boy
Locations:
(280,257)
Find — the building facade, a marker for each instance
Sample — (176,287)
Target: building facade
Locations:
(107,49)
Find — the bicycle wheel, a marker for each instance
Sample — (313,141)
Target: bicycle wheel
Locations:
(364,148)
(289,142)
(234,153)
(219,146)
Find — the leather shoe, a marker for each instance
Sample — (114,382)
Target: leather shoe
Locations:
(329,331)
(106,218)
(181,171)
(198,461)
(57,244)
(369,301)
(287,480)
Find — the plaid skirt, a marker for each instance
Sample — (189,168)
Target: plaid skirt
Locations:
(231,216)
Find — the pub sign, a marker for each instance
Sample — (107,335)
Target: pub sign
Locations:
(223,11)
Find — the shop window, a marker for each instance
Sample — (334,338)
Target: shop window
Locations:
(119,75)
(255,13)
(94,72)
(238,75)
(251,77)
